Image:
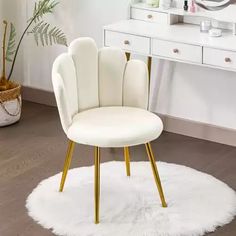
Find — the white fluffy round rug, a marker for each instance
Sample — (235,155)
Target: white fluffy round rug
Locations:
(197,202)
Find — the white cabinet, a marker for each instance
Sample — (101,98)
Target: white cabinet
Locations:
(128,42)
(221,58)
(178,51)
(149,32)
(149,16)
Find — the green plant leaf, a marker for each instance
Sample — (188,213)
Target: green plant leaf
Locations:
(46,35)
(43,7)
(34,30)
(11,44)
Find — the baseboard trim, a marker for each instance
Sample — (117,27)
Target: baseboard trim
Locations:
(171,124)
(199,130)
(38,96)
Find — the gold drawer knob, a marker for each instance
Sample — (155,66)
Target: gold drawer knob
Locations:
(149,16)
(127,42)
(227,59)
(175,50)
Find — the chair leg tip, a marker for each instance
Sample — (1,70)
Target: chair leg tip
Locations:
(164,205)
(60,190)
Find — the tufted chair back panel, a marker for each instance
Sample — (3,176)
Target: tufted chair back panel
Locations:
(65,87)
(136,85)
(111,67)
(84,53)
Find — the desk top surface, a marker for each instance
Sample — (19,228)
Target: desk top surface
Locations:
(182,33)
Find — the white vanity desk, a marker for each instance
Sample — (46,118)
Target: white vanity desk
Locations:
(155,33)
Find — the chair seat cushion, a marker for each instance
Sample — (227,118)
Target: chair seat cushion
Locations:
(115,127)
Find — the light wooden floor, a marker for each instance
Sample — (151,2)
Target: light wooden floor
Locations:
(34,149)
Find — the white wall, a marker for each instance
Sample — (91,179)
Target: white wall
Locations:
(77,18)
(14,12)
(185,91)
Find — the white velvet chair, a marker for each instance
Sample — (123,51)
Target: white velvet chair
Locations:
(102,101)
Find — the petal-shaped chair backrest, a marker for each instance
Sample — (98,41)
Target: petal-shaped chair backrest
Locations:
(84,53)
(136,85)
(65,88)
(112,63)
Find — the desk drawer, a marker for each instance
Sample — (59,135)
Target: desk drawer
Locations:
(127,42)
(221,58)
(150,16)
(179,51)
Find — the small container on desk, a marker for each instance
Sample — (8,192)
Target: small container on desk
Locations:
(205,26)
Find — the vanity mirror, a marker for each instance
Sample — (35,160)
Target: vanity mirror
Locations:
(214,5)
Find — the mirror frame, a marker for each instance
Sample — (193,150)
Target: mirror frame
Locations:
(219,4)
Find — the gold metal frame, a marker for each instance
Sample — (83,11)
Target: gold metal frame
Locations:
(97,183)
(97,173)
(155,173)
(128,55)
(149,67)
(127,160)
(67,163)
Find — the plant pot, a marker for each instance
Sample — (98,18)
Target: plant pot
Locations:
(10,106)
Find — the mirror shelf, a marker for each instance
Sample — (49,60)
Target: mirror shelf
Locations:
(225,19)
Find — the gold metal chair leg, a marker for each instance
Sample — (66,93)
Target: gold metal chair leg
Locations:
(70,151)
(155,173)
(127,160)
(149,67)
(97,183)
(128,55)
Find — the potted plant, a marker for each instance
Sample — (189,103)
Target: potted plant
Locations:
(45,35)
